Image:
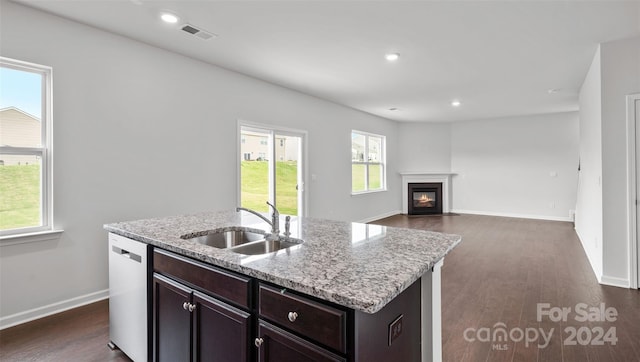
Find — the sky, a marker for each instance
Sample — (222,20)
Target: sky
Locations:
(22,90)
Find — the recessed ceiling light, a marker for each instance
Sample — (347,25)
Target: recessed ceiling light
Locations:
(554,90)
(392,57)
(456,103)
(169,18)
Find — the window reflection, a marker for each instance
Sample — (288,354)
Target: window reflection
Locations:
(366,232)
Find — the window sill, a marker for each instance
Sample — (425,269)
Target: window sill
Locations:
(367,192)
(30,237)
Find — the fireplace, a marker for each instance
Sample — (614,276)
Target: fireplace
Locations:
(425,198)
(421,177)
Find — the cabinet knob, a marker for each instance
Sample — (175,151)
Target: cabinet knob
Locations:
(258,342)
(292,316)
(188,306)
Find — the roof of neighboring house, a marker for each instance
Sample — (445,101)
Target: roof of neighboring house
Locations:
(19,128)
(12,108)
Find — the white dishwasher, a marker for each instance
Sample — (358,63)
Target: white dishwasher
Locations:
(128,297)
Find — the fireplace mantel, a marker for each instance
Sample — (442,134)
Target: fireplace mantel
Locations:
(421,176)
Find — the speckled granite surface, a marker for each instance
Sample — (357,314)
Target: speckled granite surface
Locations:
(360,266)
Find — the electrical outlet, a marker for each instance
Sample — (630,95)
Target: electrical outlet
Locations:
(395,329)
(552,205)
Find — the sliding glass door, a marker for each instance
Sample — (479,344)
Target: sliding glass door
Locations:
(271,169)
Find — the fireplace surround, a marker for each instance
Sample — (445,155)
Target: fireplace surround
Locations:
(427,177)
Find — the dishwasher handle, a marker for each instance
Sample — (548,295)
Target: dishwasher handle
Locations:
(126,254)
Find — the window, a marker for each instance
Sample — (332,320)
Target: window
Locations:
(25,153)
(279,178)
(367,162)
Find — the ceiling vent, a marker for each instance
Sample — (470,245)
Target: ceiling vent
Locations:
(197,32)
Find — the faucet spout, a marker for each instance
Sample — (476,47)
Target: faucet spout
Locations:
(275,218)
(238,209)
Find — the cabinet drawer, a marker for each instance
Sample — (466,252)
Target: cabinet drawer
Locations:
(279,345)
(319,322)
(217,282)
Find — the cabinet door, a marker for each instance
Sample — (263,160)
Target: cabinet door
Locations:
(171,321)
(276,345)
(221,332)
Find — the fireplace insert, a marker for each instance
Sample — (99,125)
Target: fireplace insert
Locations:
(425,198)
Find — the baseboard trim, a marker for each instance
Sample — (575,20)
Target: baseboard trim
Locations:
(603,279)
(596,272)
(615,282)
(378,217)
(519,216)
(47,310)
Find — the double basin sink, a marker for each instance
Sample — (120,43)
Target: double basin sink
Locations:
(243,241)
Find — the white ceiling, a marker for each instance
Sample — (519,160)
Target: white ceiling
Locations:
(499,58)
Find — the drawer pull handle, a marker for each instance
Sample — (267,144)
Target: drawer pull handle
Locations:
(292,316)
(258,342)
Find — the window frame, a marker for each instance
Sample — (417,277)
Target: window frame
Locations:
(273,130)
(382,163)
(40,232)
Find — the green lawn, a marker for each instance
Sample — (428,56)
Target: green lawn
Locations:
(357,177)
(19,196)
(255,186)
(20,191)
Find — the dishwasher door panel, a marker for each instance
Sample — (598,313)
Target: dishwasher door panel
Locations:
(128,293)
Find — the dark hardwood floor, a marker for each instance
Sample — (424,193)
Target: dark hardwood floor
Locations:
(499,273)
(80,334)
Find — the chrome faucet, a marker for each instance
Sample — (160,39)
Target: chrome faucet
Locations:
(275,218)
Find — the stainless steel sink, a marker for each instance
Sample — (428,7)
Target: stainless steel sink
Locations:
(243,241)
(227,239)
(265,246)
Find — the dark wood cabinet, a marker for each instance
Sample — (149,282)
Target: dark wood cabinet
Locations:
(189,323)
(205,313)
(277,345)
(220,332)
(171,321)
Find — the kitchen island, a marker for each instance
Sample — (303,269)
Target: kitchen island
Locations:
(359,270)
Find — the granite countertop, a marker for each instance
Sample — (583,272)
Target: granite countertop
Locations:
(360,266)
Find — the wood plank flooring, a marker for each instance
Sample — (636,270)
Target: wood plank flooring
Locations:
(499,273)
(80,334)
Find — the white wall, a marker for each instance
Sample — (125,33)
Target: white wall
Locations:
(505,166)
(589,203)
(620,64)
(141,132)
(602,221)
(424,147)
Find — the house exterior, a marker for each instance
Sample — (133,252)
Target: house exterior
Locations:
(255,147)
(19,129)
